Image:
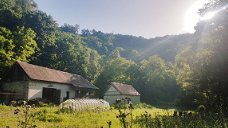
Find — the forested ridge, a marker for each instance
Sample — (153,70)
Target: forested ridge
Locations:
(187,70)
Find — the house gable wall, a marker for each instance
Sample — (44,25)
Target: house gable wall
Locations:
(112,91)
(112,95)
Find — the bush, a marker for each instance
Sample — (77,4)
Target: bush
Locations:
(65,110)
(39,102)
(143,105)
(190,120)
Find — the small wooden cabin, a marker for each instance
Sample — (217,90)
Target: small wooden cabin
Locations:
(26,81)
(119,91)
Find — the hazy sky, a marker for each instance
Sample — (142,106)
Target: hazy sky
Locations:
(147,18)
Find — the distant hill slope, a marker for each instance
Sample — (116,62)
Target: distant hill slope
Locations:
(166,47)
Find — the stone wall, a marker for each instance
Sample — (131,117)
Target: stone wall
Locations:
(20,89)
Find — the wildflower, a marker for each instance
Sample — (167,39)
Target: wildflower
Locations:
(16,111)
(109,123)
(131,106)
(27,107)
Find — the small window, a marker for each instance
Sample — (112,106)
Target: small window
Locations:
(67,95)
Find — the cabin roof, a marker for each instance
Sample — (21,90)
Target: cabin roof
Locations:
(125,89)
(40,73)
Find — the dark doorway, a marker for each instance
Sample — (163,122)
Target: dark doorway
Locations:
(51,94)
(67,95)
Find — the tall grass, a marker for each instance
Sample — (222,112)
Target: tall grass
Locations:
(150,117)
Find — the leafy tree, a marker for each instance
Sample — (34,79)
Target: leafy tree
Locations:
(14,12)
(70,28)
(157,83)
(96,44)
(116,52)
(24,13)
(25,45)
(26,6)
(18,45)
(46,29)
(208,81)
(6,49)
(85,32)
(99,41)
(192,76)
(71,56)
(115,70)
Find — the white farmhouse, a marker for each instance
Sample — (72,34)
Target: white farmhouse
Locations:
(119,91)
(26,81)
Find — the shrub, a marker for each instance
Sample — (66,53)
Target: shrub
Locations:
(143,105)
(39,102)
(190,120)
(25,118)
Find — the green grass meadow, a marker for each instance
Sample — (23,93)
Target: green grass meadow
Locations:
(53,118)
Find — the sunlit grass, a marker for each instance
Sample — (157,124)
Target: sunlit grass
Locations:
(89,119)
(96,119)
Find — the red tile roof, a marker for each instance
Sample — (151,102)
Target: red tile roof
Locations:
(35,72)
(125,89)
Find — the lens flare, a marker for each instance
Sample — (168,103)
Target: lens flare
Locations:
(208,16)
(192,16)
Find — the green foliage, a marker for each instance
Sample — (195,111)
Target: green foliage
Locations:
(70,28)
(155,80)
(6,49)
(46,29)
(17,45)
(27,119)
(125,108)
(143,105)
(44,116)
(142,118)
(69,54)
(206,76)
(114,70)
(188,120)
(25,45)
(101,42)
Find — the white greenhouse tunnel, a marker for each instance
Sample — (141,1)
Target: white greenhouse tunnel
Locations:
(84,104)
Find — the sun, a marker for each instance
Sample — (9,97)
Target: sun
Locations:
(192,17)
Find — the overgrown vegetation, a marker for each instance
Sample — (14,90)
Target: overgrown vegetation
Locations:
(88,119)
(186,120)
(25,119)
(125,116)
